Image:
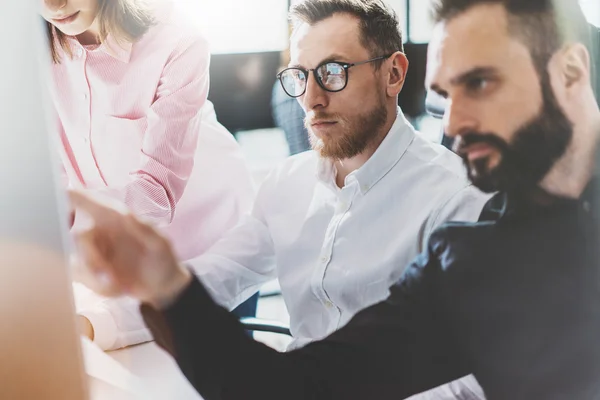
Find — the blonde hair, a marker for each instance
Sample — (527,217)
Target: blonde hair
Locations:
(125,20)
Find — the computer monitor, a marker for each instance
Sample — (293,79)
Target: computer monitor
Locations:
(240,89)
(40,355)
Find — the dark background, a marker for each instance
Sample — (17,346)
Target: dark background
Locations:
(241,86)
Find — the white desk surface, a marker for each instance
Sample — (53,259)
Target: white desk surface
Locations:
(153,368)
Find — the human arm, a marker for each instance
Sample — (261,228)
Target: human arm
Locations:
(169,131)
(389,351)
(394,349)
(233,269)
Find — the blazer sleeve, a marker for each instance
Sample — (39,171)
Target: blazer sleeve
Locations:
(391,350)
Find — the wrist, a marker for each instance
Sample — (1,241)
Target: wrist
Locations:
(172,289)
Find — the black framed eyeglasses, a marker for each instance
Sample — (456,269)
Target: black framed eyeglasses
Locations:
(331,76)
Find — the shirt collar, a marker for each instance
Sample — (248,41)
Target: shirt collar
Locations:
(389,152)
(326,172)
(589,200)
(120,50)
(500,205)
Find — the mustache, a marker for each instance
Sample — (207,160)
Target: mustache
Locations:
(314,117)
(471,138)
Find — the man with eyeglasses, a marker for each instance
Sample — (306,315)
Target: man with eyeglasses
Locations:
(337,225)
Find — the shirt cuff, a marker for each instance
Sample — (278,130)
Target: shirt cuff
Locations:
(105,327)
(193,299)
(188,306)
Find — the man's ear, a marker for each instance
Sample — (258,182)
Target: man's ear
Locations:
(575,65)
(397,73)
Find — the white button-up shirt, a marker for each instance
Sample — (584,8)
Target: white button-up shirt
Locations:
(337,251)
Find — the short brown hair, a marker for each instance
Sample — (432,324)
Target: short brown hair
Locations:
(544,26)
(126,20)
(379,25)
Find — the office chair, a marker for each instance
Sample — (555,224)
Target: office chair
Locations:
(263,325)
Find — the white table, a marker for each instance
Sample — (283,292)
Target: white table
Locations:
(150,366)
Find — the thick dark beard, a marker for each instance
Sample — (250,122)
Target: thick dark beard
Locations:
(536,147)
(355,139)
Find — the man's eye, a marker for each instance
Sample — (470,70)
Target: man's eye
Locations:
(477,84)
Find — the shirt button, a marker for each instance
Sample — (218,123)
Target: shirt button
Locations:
(85,96)
(79,52)
(86,140)
(586,206)
(365,188)
(328,304)
(324,259)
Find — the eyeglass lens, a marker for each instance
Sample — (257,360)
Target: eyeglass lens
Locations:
(332,77)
